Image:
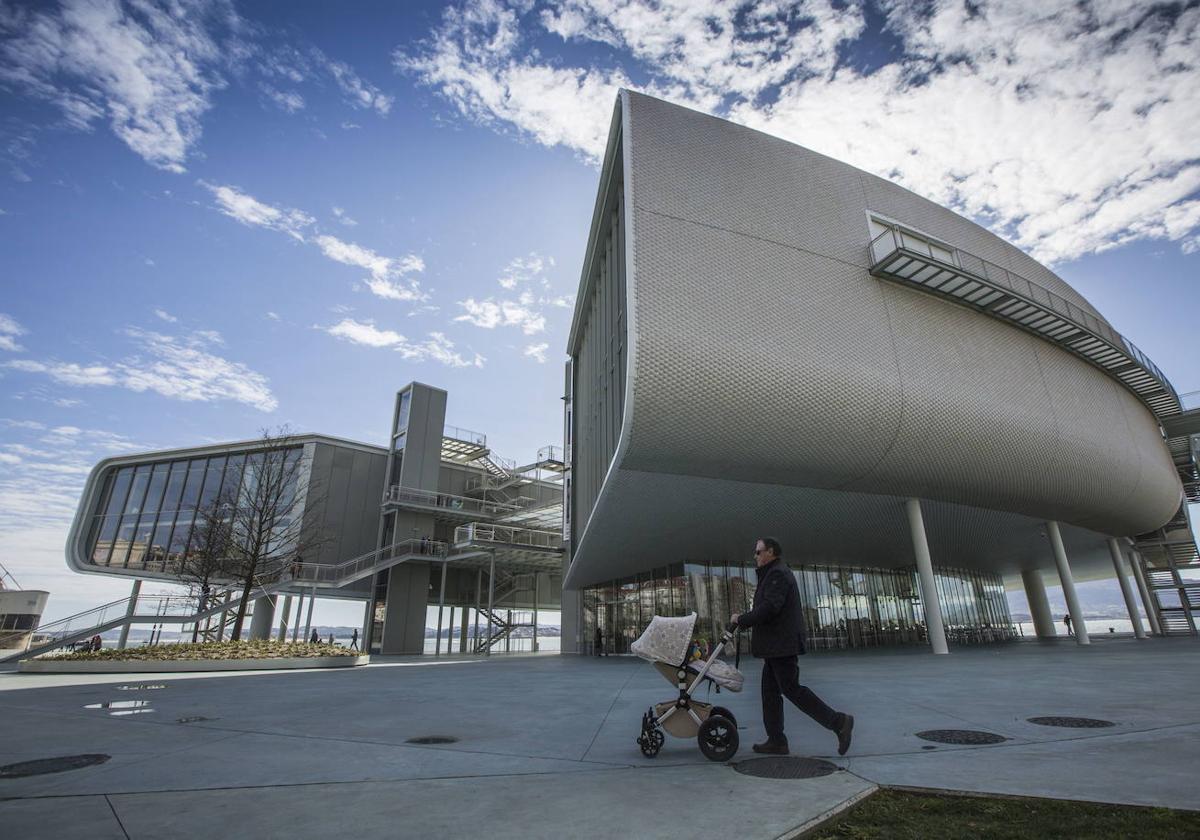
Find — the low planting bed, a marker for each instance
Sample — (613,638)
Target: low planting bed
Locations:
(204,656)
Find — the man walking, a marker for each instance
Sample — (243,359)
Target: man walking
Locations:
(778,638)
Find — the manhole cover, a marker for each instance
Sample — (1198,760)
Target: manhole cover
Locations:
(432,739)
(961,736)
(51,765)
(785,767)
(1073,722)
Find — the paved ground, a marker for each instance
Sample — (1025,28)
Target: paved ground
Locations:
(546,744)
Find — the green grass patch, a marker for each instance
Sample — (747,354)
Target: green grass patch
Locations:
(901,815)
(256,649)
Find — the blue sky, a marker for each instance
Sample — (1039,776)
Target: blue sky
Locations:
(229,216)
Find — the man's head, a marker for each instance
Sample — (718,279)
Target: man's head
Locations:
(766,550)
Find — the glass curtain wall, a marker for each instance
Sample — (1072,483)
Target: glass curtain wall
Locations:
(844,607)
(146,513)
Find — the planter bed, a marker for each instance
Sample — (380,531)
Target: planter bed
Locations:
(162,666)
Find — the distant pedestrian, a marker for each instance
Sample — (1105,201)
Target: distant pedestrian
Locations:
(315,639)
(1067,621)
(97,643)
(598,641)
(354,640)
(330,638)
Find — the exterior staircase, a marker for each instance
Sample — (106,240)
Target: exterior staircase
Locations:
(502,619)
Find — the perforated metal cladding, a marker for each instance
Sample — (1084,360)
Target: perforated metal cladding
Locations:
(644,520)
(765,354)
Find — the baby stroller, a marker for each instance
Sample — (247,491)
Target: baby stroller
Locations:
(666,643)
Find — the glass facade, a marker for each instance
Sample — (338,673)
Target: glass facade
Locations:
(146,513)
(844,607)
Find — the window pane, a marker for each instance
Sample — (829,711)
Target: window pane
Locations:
(137,493)
(154,493)
(170,501)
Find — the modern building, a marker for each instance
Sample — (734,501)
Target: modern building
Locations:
(433,519)
(767,341)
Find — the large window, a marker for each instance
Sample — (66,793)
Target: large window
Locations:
(844,607)
(146,512)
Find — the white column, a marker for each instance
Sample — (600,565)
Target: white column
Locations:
(929,599)
(296,625)
(437,641)
(1114,548)
(129,611)
(1144,590)
(1039,604)
(537,576)
(283,620)
(312,597)
(262,617)
(1068,584)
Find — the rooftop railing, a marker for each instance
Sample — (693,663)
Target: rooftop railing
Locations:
(480,532)
(457,433)
(900,254)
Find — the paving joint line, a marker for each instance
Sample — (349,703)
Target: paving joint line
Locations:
(116,817)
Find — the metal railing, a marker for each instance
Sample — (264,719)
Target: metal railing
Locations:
(550,453)
(1190,401)
(895,238)
(456,433)
(338,574)
(446,501)
(483,532)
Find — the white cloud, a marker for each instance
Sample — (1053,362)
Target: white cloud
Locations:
(343,218)
(523,270)
(364,332)
(273,316)
(1067,128)
(436,347)
(149,71)
(166,316)
(67,373)
(9,330)
(491,313)
(250,211)
(179,368)
(537,351)
(360,93)
(285,100)
(389,276)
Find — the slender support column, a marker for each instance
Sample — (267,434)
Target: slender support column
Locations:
(1039,604)
(1068,584)
(929,599)
(491,595)
(312,597)
(365,646)
(296,626)
(130,611)
(478,598)
(537,577)
(283,619)
(437,642)
(1114,548)
(462,633)
(1139,578)
(450,632)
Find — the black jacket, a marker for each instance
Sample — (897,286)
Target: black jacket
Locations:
(776,617)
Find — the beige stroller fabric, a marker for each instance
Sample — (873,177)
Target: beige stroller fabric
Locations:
(666,639)
(665,642)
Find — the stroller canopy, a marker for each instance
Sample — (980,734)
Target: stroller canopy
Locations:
(666,639)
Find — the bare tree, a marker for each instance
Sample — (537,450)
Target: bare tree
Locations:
(269,536)
(209,561)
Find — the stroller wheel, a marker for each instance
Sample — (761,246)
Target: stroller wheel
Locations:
(723,712)
(718,738)
(651,741)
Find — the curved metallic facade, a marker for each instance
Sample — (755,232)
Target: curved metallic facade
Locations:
(772,378)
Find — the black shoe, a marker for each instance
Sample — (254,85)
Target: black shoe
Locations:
(768,748)
(844,733)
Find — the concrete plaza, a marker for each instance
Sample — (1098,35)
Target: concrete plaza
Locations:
(545,745)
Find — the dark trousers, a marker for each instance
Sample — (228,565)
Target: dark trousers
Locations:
(781,678)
